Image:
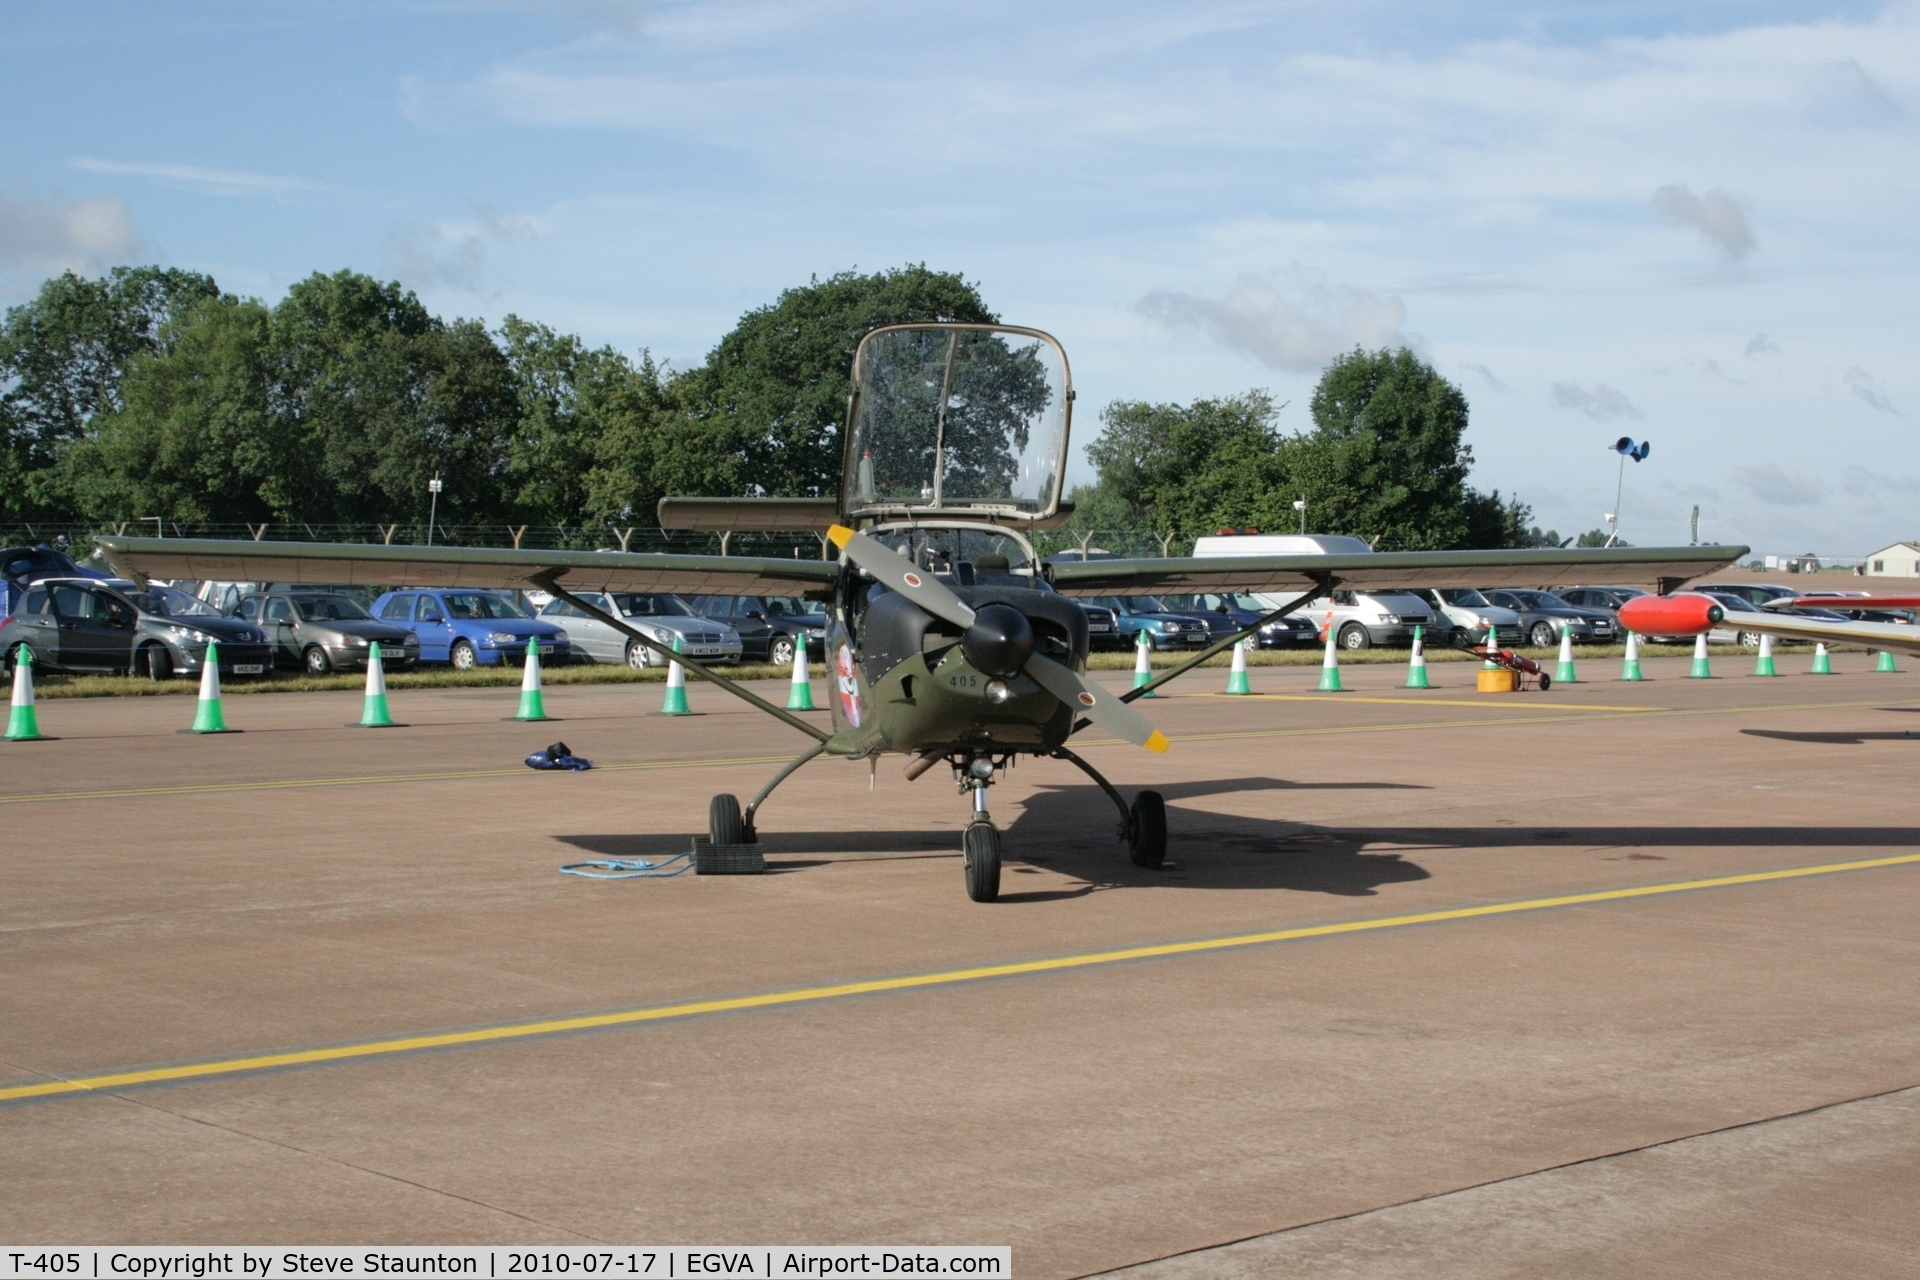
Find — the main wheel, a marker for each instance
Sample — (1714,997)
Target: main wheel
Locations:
(981,844)
(316,661)
(724,824)
(1544,636)
(780,652)
(159,663)
(1148,847)
(639,656)
(463,657)
(1354,636)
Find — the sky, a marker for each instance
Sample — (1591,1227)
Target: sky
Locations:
(1692,224)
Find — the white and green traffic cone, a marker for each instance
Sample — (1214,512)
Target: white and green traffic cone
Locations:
(374,713)
(1563,674)
(1885,661)
(1631,669)
(533,702)
(1417,664)
(1143,664)
(207,716)
(1493,646)
(1330,665)
(800,688)
(675,703)
(1822,661)
(1764,665)
(23,720)
(1702,669)
(1237,676)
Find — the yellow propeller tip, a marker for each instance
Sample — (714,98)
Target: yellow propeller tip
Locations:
(839,535)
(1158,742)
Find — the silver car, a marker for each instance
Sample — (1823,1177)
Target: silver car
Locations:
(657,615)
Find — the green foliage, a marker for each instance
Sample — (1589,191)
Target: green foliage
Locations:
(1385,461)
(1598,538)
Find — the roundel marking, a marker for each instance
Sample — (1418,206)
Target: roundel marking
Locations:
(1087,699)
(912,579)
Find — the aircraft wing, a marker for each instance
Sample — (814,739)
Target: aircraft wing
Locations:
(1787,626)
(1661,568)
(371,564)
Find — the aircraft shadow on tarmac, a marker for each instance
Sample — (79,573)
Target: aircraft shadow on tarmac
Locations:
(1838,738)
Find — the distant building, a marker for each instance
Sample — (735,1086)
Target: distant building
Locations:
(1901,560)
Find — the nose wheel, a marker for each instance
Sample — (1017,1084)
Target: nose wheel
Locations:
(981,845)
(1147,830)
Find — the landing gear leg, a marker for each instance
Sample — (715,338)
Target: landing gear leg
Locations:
(1143,824)
(747,835)
(981,846)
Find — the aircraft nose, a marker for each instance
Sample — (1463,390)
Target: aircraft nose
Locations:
(999,642)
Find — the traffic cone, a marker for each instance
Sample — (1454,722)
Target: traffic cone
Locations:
(1631,670)
(1417,664)
(1564,673)
(374,714)
(23,720)
(533,702)
(1885,661)
(675,703)
(800,689)
(1330,665)
(1237,677)
(1764,665)
(1143,664)
(1822,661)
(1493,643)
(208,717)
(1702,669)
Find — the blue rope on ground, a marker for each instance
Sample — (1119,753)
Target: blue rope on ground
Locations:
(630,868)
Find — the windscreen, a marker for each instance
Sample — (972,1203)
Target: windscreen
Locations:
(328,609)
(171,602)
(634,604)
(951,417)
(475,606)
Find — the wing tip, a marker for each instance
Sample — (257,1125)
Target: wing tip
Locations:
(1156,741)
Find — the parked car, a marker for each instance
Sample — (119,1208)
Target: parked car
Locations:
(1363,619)
(1758,594)
(1469,614)
(1103,626)
(325,631)
(21,567)
(1728,629)
(1135,616)
(1226,614)
(1606,599)
(657,615)
(769,626)
(1543,615)
(471,628)
(95,625)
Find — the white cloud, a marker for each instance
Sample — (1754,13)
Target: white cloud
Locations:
(217,182)
(1761,345)
(454,253)
(1599,402)
(1714,215)
(620,20)
(1868,388)
(1775,486)
(41,237)
(1862,483)
(1300,334)
(1487,376)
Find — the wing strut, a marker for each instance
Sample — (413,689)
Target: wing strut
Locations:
(1327,584)
(550,581)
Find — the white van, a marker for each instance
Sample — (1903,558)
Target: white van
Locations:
(1359,619)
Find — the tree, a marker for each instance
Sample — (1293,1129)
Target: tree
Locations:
(1187,469)
(62,358)
(764,413)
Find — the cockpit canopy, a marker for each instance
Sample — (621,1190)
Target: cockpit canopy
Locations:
(963,420)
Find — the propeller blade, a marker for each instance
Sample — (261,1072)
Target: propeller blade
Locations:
(900,573)
(1095,703)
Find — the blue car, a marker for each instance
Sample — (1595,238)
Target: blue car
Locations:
(471,628)
(1226,614)
(1164,628)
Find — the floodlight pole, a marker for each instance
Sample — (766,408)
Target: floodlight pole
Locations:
(433,508)
(1300,505)
(1613,516)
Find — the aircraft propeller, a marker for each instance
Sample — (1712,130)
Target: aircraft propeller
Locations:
(998,638)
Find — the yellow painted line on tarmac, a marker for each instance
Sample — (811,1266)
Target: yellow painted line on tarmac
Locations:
(517,1031)
(1483,704)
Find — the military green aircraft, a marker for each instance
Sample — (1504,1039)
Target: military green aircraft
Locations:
(950,640)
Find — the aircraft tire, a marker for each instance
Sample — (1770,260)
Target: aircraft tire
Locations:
(724,823)
(981,844)
(1148,845)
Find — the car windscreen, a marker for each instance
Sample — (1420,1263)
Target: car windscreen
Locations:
(650,604)
(479,606)
(795,607)
(171,602)
(1732,602)
(1538,600)
(328,609)
(1143,604)
(1466,597)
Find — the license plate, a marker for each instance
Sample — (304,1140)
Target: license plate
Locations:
(1099,626)
(248,668)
